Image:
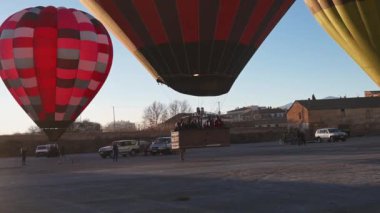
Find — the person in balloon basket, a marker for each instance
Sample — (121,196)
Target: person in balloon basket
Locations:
(115,150)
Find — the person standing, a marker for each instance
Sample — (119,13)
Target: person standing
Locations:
(115,150)
(62,151)
(23,155)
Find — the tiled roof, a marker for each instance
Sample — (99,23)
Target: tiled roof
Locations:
(239,110)
(341,103)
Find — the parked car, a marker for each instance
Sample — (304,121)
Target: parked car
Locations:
(47,150)
(330,134)
(161,145)
(126,147)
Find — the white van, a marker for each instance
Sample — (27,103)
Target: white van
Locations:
(47,150)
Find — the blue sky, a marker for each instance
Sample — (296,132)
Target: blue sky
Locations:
(296,60)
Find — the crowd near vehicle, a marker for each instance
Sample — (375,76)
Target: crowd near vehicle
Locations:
(161,145)
(125,147)
(330,134)
(47,150)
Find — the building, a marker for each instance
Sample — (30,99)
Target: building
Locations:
(255,116)
(372,93)
(357,115)
(236,115)
(264,113)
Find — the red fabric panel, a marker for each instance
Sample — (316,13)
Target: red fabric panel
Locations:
(23,42)
(84,74)
(45,55)
(33,92)
(227,13)
(89,50)
(66,19)
(258,14)
(65,95)
(8,24)
(27,73)
(188,13)
(68,43)
(7,47)
(77,92)
(149,14)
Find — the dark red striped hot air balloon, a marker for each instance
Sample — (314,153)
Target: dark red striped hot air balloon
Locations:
(54,61)
(196,47)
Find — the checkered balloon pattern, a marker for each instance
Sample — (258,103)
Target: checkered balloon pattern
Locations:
(54,61)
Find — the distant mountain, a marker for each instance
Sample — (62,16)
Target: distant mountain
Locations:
(330,97)
(286,106)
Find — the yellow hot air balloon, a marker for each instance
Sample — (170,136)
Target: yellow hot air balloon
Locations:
(354,25)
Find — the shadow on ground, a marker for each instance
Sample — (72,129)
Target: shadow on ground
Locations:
(91,192)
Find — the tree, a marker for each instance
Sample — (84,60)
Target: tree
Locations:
(84,126)
(120,126)
(34,130)
(154,114)
(313,97)
(177,107)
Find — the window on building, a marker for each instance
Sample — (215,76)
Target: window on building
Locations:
(343,111)
(299,115)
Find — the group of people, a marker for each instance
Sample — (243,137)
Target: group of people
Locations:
(197,122)
(294,136)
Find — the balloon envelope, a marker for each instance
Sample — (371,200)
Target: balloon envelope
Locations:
(54,61)
(196,47)
(354,25)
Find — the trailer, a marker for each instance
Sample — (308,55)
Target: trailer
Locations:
(199,138)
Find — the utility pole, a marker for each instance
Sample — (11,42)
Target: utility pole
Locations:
(114,125)
(218,107)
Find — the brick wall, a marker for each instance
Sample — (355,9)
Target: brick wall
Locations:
(297,115)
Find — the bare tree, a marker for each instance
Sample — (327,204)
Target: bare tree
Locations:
(121,126)
(185,107)
(164,116)
(174,108)
(34,130)
(154,114)
(177,107)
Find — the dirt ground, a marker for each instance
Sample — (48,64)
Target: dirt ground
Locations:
(260,177)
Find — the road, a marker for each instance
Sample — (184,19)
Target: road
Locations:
(260,177)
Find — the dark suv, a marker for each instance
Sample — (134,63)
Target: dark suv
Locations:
(161,145)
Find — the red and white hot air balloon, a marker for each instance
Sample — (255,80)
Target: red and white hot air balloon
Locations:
(54,61)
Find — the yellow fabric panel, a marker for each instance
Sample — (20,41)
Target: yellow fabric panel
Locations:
(354,25)
(102,15)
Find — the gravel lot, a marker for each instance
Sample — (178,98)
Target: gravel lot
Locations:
(261,177)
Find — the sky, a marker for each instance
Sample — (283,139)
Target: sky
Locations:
(296,60)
